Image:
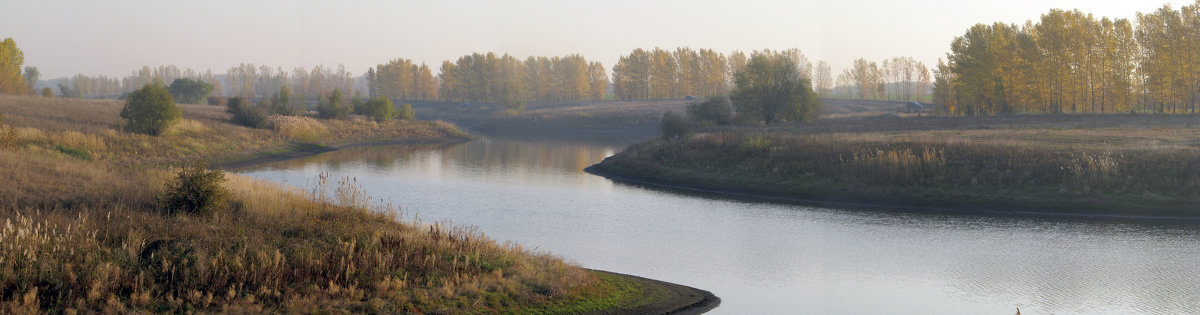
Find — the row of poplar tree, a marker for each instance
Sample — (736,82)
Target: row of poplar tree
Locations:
(1072,62)
(488,77)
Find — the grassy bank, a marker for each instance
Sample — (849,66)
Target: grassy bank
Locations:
(94,127)
(1094,164)
(85,227)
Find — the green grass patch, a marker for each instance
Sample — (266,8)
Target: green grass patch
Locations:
(74,152)
(612,292)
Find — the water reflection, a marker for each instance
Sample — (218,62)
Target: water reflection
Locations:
(774,258)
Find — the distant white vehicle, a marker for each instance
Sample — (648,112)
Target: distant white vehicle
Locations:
(913,107)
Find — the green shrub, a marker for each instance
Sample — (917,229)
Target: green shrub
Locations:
(150,110)
(245,114)
(189,91)
(381,109)
(196,190)
(673,126)
(75,152)
(716,110)
(281,102)
(359,105)
(406,112)
(334,106)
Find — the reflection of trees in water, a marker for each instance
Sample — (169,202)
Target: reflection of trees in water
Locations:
(377,156)
(523,156)
(526,155)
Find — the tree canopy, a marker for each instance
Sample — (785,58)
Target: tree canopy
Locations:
(245,114)
(189,91)
(31,76)
(1074,62)
(380,109)
(660,73)
(772,88)
(713,111)
(150,110)
(673,126)
(11,59)
(334,106)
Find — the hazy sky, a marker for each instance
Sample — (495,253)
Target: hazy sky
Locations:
(112,38)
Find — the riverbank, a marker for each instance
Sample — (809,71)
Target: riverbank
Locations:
(87,229)
(1095,165)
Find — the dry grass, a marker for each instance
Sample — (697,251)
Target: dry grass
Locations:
(204,133)
(1132,165)
(275,249)
(86,234)
(298,128)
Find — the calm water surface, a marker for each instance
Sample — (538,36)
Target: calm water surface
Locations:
(764,258)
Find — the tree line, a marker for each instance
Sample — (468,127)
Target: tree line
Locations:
(12,79)
(660,73)
(898,78)
(770,88)
(402,79)
(488,77)
(250,81)
(1072,62)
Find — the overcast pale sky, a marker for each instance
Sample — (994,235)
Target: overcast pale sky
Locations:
(112,38)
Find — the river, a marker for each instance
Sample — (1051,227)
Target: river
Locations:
(769,258)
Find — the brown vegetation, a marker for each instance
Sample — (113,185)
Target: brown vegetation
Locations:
(1093,164)
(205,132)
(88,234)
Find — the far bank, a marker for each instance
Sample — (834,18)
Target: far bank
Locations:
(1085,165)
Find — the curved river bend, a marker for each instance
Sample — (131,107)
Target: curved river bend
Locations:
(764,258)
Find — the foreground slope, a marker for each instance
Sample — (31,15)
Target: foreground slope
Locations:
(84,227)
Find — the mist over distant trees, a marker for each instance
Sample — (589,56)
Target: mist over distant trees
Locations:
(898,78)
(661,74)
(31,76)
(249,81)
(823,79)
(488,77)
(166,75)
(402,79)
(189,91)
(85,86)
